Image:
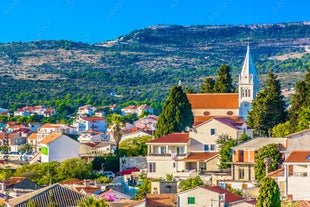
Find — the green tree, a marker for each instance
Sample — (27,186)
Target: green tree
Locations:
(268,109)
(269,194)
(207,86)
(282,129)
(303,118)
(269,151)
(92,202)
(75,168)
(223,82)
(134,146)
(32,203)
(298,101)
(190,183)
(243,138)
(225,144)
(143,189)
(176,115)
(97,163)
(117,130)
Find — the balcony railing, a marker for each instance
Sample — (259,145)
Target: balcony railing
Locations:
(166,154)
(300,174)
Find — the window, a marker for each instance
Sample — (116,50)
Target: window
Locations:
(212,147)
(191,200)
(163,150)
(241,173)
(206,148)
(180,150)
(152,167)
(212,131)
(174,165)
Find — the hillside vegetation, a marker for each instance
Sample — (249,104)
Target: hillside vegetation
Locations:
(144,64)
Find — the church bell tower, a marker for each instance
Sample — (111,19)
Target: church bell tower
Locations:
(248,85)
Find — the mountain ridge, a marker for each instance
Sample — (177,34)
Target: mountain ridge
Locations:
(145,63)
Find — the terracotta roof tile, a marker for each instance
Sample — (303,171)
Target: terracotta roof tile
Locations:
(229,196)
(88,190)
(172,138)
(200,156)
(32,136)
(93,118)
(214,100)
(50,138)
(298,156)
(72,181)
(167,200)
(276,173)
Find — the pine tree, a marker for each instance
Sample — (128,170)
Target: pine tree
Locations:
(269,194)
(223,82)
(176,115)
(268,109)
(207,86)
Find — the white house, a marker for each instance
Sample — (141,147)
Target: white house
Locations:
(58,147)
(90,123)
(132,109)
(294,178)
(46,129)
(93,136)
(87,110)
(209,196)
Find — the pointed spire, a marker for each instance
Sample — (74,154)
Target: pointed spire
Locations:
(248,68)
(180,83)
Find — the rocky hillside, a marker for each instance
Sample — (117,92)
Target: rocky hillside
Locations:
(145,63)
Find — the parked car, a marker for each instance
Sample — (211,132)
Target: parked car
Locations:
(109,174)
(128,171)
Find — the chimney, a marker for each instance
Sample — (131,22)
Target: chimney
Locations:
(86,183)
(267,162)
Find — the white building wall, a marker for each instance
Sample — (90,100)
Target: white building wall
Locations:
(61,149)
(202,198)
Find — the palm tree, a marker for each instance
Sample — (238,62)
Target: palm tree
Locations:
(92,202)
(117,130)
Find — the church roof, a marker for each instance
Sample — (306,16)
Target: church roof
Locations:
(214,100)
(248,68)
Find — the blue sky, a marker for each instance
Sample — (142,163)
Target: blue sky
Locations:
(100,20)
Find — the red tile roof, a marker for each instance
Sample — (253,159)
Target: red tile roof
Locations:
(172,138)
(298,156)
(50,138)
(214,100)
(229,196)
(200,156)
(93,118)
(32,136)
(200,119)
(276,173)
(72,181)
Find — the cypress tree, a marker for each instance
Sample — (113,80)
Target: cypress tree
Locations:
(298,101)
(268,109)
(269,193)
(223,83)
(207,86)
(176,114)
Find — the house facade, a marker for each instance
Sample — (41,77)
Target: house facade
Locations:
(87,110)
(55,147)
(90,123)
(242,165)
(208,196)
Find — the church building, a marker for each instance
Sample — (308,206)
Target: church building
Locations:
(234,105)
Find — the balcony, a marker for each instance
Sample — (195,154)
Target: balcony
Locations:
(300,174)
(167,154)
